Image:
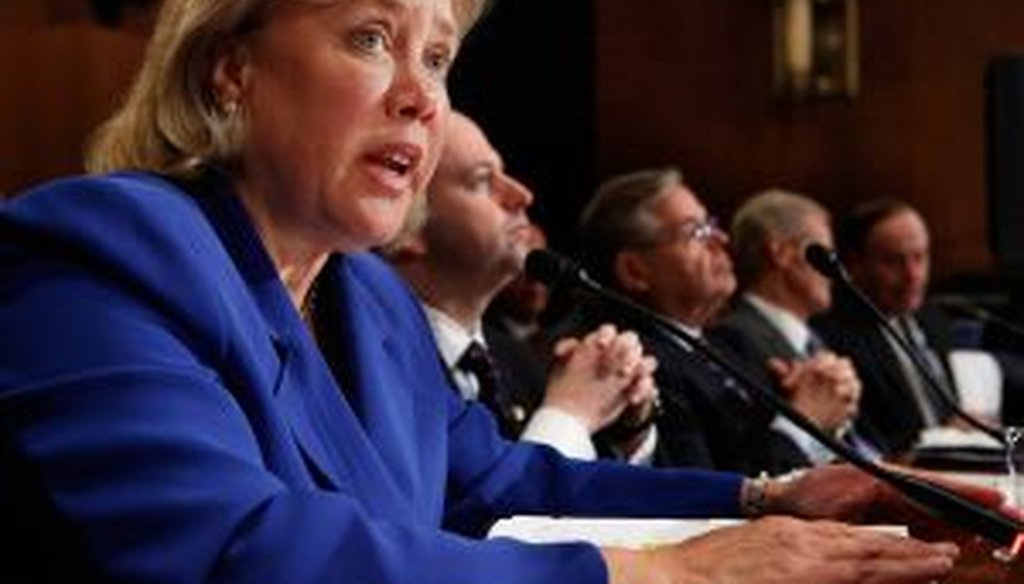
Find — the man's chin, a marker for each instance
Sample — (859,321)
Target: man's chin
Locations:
(906,305)
(728,287)
(519,253)
(915,301)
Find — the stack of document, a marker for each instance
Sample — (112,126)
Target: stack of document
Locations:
(624,533)
(948,448)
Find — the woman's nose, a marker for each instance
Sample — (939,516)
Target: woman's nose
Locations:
(416,94)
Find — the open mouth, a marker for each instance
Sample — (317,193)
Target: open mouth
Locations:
(397,163)
(399,159)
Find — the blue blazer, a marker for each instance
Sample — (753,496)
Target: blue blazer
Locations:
(155,374)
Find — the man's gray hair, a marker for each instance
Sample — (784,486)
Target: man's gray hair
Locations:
(775,214)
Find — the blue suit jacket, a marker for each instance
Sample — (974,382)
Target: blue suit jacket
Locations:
(156,376)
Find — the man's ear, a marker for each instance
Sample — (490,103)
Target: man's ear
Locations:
(632,271)
(229,75)
(780,254)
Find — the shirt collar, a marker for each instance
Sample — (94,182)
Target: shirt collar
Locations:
(796,331)
(693,331)
(452,338)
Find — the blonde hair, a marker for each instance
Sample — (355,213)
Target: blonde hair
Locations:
(171,122)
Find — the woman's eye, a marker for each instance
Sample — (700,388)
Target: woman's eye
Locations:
(438,61)
(371,40)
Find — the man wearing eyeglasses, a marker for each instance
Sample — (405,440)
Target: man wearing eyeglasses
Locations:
(649,236)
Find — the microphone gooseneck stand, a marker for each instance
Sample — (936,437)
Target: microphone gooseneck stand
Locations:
(966,308)
(553,270)
(826,262)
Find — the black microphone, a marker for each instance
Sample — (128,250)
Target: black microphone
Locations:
(827,262)
(555,271)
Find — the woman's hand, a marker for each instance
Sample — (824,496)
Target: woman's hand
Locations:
(778,550)
(843,492)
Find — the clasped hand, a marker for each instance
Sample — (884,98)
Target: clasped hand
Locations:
(824,388)
(597,377)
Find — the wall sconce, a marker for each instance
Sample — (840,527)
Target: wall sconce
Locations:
(815,49)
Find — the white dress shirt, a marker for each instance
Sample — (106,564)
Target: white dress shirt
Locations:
(797,334)
(547,425)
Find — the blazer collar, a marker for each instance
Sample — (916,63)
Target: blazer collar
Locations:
(292,343)
(335,430)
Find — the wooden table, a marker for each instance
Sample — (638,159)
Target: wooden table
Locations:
(976,566)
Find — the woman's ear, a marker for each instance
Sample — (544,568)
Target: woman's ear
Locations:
(632,271)
(230,76)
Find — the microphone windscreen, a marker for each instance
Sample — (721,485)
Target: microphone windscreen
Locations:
(547,267)
(824,260)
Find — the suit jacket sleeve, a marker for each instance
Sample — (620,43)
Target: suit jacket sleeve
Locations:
(179,421)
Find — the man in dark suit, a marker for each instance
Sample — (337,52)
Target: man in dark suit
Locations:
(885,245)
(648,235)
(472,243)
(768,323)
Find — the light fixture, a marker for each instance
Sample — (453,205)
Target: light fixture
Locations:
(816,49)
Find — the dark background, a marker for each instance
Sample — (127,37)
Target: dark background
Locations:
(526,75)
(573,91)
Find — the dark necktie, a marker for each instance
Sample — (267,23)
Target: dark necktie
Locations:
(939,410)
(813,344)
(477,361)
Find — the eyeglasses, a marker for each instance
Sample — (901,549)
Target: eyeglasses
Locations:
(696,230)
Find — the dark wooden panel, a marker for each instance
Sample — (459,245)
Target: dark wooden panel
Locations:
(56,85)
(674,82)
(689,83)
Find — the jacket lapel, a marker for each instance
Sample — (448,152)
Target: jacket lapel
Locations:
(766,334)
(374,358)
(328,434)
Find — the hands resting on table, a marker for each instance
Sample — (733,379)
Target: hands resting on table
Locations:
(804,539)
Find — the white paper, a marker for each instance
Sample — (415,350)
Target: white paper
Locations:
(950,437)
(979,381)
(618,532)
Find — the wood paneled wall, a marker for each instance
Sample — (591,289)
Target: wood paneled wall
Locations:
(689,83)
(57,83)
(686,83)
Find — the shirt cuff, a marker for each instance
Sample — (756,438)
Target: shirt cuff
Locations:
(561,431)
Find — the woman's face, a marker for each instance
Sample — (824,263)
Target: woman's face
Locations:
(345,104)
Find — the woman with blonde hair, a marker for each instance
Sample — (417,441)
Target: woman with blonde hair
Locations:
(205,378)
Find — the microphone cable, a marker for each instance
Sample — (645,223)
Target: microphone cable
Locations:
(971,310)
(827,263)
(555,271)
